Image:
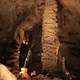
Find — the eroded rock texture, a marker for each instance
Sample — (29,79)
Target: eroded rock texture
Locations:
(7,19)
(49,36)
(7,27)
(26,14)
(69,33)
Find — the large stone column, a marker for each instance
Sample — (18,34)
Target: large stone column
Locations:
(50,41)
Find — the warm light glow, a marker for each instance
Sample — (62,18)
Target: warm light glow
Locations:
(24,73)
(23,70)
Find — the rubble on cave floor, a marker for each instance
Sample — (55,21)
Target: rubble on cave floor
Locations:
(40,77)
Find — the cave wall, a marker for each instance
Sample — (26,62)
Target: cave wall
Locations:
(7,23)
(14,12)
(69,33)
(7,19)
(21,14)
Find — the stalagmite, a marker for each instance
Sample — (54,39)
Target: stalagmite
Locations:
(50,41)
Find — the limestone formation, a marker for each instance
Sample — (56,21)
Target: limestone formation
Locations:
(5,74)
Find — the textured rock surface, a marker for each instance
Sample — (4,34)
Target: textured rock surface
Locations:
(7,20)
(21,13)
(49,36)
(7,24)
(69,34)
